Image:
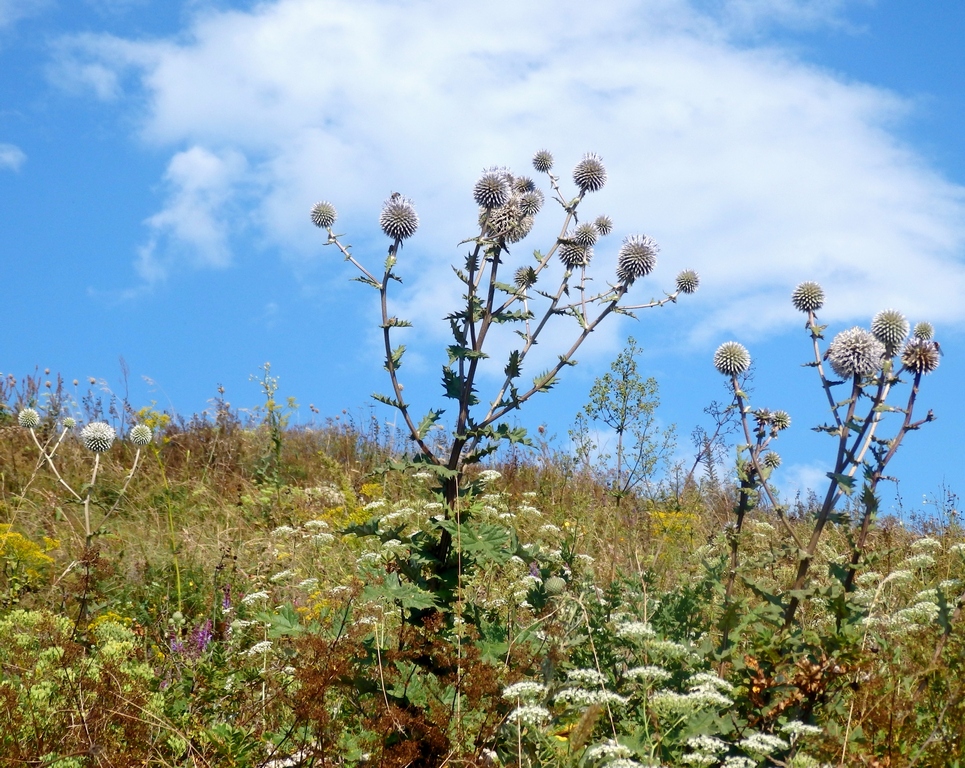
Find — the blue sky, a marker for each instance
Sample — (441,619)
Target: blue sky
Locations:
(158,161)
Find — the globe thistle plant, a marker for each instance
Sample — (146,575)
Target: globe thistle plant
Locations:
(780,420)
(732,359)
(890,328)
(324,215)
(923,330)
(604,225)
(808,297)
(530,203)
(771,460)
(28,418)
(525,277)
(98,436)
(688,281)
(492,190)
(585,235)
(141,435)
(398,219)
(69,422)
(637,258)
(855,353)
(573,255)
(590,174)
(543,161)
(921,356)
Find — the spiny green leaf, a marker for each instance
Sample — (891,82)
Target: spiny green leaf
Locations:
(514,366)
(426,424)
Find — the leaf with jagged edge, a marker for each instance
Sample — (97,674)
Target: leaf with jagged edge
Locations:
(427,422)
(463,277)
(845,482)
(545,381)
(368,281)
(514,366)
(386,400)
(396,358)
(505,288)
(510,317)
(457,352)
(451,383)
(394,322)
(457,332)
(567,361)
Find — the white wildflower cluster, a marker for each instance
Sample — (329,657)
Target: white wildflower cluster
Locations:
(308,583)
(635,630)
(323,538)
(926,544)
(254,597)
(432,507)
(699,758)
(710,745)
(795,728)
(525,689)
(395,548)
(585,677)
(583,698)
(867,578)
(649,674)
(281,576)
(763,743)
(918,614)
(283,530)
(548,528)
(710,681)
(922,560)
(898,577)
(958,549)
(375,505)
(608,750)
(667,649)
(315,525)
(326,494)
(927,596)
(529,714)
(525,510)
(423,475)
(489,476)
(259,648)
(739,762)
(950,585)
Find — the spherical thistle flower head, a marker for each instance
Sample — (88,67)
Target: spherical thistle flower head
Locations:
(398,218)
(585,235)
(688,281)
(923,331)
(604,225)
(920,355)
(637,258)
(28,418)
(524,278)
(141,435)
(69,423)
(509,221)
(574,255)
(589,174)
(98,436)
(890,328)
(554,585)
(771,460)
(780,420)
(531,202)
(543,161)
(855,352)
(732,359)
(493,188)
(324,215)
(523,184)
(808,297)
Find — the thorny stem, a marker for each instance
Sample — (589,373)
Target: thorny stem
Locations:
(49,458)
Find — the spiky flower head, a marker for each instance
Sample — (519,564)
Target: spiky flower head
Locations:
(688,281)
(732,359)
(398,218)
(808,297)
(543,161)
(554,585)
(780,420)
(589,174)
(531,202)
(523,184)
(921,355)
(637,258)
(141,435)
(890,328)
(923,330)
(28,418)
(762,417)
(574,255)
(509,221)
(604,225)
(69,423)
(585,235)
(98,436)
(493,188)
(324,215)
(771,460)
(855,352)
(524,278)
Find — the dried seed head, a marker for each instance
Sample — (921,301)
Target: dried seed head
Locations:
(543,161)
(589,174)
(524,278)
(771,460)
(584,235)
(98,436)
(808,297)
(604,225)
(398,219)
(574,255)
(890,328)
(855,352)
(324,215)
(732,359)
(637,258)
(921,355)
(509,221)
(924,331)
(493,188)
(688,281)
(141,435)
(28,418)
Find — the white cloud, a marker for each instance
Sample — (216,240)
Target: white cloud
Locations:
(755,168)
(11,157)
(195,223)
(12,11)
